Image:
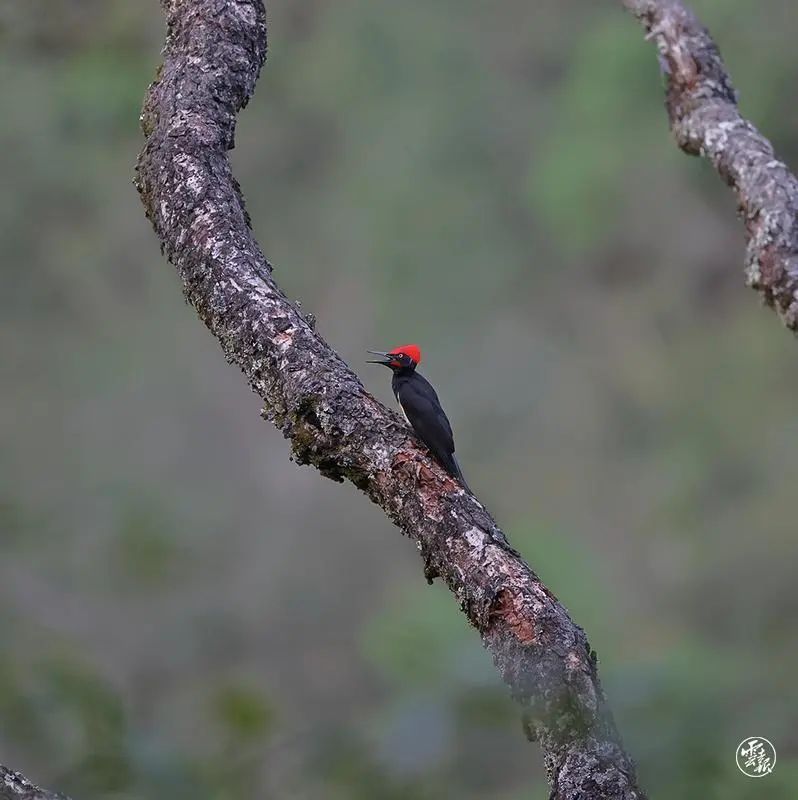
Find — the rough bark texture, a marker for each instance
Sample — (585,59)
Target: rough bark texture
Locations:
(703,113)
(14,786)
(213,54)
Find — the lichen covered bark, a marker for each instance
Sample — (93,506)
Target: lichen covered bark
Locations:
(702,108)
(15,786)
(213,54)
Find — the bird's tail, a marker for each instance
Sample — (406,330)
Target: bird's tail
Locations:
(458,473)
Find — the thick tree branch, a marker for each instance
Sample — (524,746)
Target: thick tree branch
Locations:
(14,786)
(214,51)
(703,113)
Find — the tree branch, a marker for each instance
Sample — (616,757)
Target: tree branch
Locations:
(15,786)
(702,108)
(213,54)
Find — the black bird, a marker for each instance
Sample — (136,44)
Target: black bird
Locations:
(421,407)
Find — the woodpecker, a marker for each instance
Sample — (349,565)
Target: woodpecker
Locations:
(420,406)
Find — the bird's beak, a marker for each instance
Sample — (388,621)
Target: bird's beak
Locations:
(386,358)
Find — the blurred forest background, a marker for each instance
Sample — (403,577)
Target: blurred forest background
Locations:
(184,613)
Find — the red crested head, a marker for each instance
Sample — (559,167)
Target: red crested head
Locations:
(408,356)
(413,351)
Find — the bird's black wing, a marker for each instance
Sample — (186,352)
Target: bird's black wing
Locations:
(424,412)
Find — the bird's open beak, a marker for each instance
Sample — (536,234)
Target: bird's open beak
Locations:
(386,358)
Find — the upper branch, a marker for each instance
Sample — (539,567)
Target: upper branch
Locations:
(213,54)
(702,107)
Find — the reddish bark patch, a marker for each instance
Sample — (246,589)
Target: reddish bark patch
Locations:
(510,609)
(771,268)
(283,339)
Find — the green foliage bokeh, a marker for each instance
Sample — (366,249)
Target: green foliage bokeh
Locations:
(187,614)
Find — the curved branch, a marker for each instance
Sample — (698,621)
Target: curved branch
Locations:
(15,786)
(213,54)
(702,108)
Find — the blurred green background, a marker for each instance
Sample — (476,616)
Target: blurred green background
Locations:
(185,613)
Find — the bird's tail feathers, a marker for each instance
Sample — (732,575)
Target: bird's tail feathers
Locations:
(458,473)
